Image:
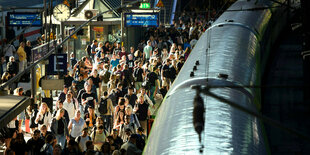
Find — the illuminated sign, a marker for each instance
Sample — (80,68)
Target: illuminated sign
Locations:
(141,19)
(160,4)
(24,19)
(145,5)
(57,64)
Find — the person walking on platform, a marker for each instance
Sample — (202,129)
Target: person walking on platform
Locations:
(141,109)
(138,76)
(106,111)
(22,56)
(76,125)
(44,117)
(147,51)
(59,128)
(28,51)
(35,143)
(59,106)
(130,146)
(9,49)
(93,50)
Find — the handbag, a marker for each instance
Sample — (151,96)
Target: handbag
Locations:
(42,120)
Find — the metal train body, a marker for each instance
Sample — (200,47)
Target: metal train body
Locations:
(237,44)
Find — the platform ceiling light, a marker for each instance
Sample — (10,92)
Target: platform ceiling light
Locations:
(144,11)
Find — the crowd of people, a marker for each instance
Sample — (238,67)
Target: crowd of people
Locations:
(108,95)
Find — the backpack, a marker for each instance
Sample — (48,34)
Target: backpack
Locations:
(42,120)
(103,106)
(135,73)
(94,130)
(33,118)
(88,49)
(79,138)
(147,84)
(73,102)
(172,72)
(166,71)
(140,142)
(113,98)
(45,148)
(106,76)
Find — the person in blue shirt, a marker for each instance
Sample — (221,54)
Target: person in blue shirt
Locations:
(186,44)
(114,61)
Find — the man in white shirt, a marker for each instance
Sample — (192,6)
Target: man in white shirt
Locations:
(82,139)
(147,51)
(9,49)
(145,96)
(69,106)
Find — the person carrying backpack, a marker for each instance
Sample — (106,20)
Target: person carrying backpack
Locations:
(126,129)
(59,128)
(33,116)
(88,50)
(105,77)
(99,137)
(83,138)
(47,148)
(106,110)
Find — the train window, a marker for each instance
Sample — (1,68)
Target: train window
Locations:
(223,76)
(229,20)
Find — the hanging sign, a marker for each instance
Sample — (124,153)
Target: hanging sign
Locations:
(160,4)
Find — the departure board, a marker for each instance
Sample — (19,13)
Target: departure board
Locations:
(141,19)
(24,19)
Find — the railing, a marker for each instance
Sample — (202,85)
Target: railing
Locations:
(2,87)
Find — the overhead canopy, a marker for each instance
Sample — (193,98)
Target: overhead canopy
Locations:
(100,5)
(10,107)
(9,4)
(110,4)
(19,3)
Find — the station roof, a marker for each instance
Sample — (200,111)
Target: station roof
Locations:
(5,4)
(10,107)
(100,5)
(113,4)
(19,3)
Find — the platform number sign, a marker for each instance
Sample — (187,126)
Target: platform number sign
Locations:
(57,64)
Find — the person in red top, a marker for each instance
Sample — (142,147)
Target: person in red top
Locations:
(123,52)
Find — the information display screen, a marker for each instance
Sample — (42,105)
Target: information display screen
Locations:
(141,19)
(24,19)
